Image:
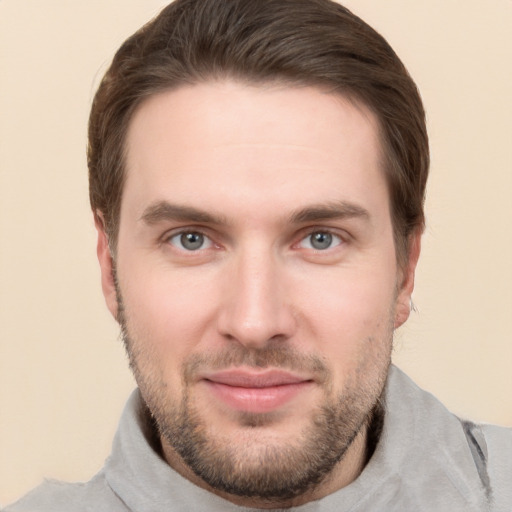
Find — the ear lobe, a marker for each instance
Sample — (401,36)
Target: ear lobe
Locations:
(403,302)
(106,265)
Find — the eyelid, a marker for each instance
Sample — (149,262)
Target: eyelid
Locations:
(172,233)
(340,234)
(343,235)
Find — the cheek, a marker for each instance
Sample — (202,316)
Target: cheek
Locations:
(348,301)
(348,315)
(167,311)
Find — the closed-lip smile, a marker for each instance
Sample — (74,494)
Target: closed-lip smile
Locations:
(255,391)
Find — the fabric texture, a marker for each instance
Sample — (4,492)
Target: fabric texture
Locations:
(427,459)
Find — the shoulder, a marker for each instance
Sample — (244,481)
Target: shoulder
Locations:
(498,438)
(476,458)
(55,496)
(493,443)
(498,455)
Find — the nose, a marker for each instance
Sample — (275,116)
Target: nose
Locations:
(256,308)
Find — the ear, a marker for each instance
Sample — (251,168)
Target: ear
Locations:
(106,265)
(403,302)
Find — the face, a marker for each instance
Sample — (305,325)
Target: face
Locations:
(257,283)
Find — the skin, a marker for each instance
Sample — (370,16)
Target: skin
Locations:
(256,170)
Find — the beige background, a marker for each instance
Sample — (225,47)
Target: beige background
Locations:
(63,375)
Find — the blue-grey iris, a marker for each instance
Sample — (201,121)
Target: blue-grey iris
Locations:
(192,241)
(321,240)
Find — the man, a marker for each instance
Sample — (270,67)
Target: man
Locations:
(257,177)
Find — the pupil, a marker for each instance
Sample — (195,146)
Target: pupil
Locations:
(192,241)
(321,240)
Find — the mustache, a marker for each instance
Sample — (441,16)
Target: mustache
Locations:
(272,356)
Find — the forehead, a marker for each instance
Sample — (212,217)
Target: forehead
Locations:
(215,142)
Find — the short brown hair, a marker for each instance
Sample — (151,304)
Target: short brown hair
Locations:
(296,42)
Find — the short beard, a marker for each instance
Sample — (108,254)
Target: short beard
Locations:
(268,472)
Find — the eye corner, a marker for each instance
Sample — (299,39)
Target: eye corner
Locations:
(320,240)
(189,240)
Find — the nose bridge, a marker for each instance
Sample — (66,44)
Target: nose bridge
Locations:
(257,309)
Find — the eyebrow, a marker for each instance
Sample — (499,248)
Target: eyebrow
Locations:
(165,211)
(327,211)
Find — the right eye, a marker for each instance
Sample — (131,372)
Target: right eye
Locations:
(321,241)
(190,241)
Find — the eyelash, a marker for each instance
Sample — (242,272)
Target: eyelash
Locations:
(304,236)
(331,237)
(189,231)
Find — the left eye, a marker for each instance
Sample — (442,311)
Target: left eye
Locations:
(320,241)
(190,241)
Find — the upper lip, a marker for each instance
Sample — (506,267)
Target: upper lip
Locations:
(254,379)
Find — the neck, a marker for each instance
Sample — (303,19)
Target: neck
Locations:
(343,474)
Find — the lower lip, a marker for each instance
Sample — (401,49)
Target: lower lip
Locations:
(257,400)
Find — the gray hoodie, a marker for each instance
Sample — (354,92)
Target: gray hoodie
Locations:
(427,459)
